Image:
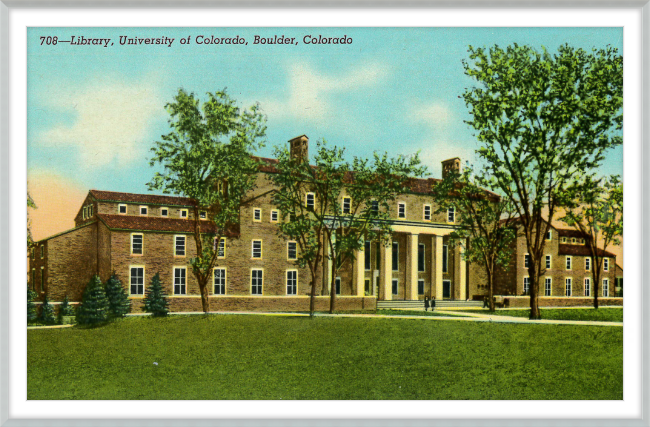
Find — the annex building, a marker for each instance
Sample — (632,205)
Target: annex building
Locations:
(139,235)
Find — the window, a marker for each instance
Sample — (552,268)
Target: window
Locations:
(378,256)
(563,239)
(427,213)
(401,210)
(337,284)
(451,214)
(43,279)
(588,264)
(549,235)
(33,253)
(346,205)
(179,281)
(567,286)
(257,249)
(84,211)
(445,258)
(568,263)
(310,202)
(366,255)
(219,281)
(526,285)
(137,281)
(292,251)
(121,209)
(179,245)
(548,262)
(221,250)
(164,212)
(605,264)
(395,286)
(257,282)
(527,261)
(366,284)
(33,278)
(374,207)
(203,215)
(395,256)
(257,215)
(182,213)
(292,282)
(587,287)
(91,208)
(136,244)
(605,287)
(547,286)
(421,257)
(274,216)
(42,251)
(143,210)
(420,287)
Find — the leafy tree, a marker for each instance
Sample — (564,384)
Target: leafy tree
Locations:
(542,121)
(47,312)
(94,304)
(118,300)
(596,210)
(325,231)
(483,219)
(32,314)
(155,301)
(65,309)
(30,204)
(206,157)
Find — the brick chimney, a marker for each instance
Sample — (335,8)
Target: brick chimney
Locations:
(299,147)
(450,165)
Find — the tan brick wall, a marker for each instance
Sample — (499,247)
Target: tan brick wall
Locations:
(524,302)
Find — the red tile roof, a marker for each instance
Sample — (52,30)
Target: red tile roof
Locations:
(581,250)
(150,199)
(569,232)
(146,223)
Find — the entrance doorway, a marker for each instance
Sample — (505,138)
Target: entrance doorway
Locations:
(446,289)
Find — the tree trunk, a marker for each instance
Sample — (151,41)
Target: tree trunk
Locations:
(491,290)
(312,299)
(333,288)
(535,314)
(203,286)
(596,276)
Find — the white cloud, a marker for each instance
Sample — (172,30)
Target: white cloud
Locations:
(435,114)
(310,90)
(112,120)
(433,153)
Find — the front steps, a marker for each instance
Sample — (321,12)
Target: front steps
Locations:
(419,305)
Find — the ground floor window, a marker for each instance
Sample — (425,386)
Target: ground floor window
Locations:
(137,280)
(420,287)
(337,285)
(292,282)
(567,287)
(395,286)
(257,282)
(526,285)
(605,287)
(587,286)
(179,281)
(547,287)
(368,291)
(219,281)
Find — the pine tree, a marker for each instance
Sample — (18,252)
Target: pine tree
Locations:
(31,307)
(155,301)
(118,300)
(65,309)
(94,305)
(47,312)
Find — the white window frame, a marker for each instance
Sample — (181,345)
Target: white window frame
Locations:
(549,262)
(526,285)
(605,287)
(144,282)
(217,247)
(563,239)
(42,250)
(568,286)
(146,208)
(313,197)
(141,244)
(261,286)
(164,214)
(605,264)
(257,215)
(401,210)
(526,260)
(180,285)
(181,212)
(176,236)
(205,215)
(548,286)
(549,235)
(587,286)
(289,251)
(119,208)
(568,263)
(337,285)
(426,216)
(253,249)
(587,264)
(84,211)
(276,213)
(451,214)
(349,205)
(225,280)
(295,279)
(42,279)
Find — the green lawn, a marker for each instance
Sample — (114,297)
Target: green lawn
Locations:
(601,315)
(416,313)
(264,357)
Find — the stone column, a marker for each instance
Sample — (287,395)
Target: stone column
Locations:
(460,273)
(359,271)
(386,273)
(437,266)
(411,267)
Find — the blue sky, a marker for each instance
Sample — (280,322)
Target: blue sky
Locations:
(93,113)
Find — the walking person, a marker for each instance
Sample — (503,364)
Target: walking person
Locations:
(432,303)
(426,303)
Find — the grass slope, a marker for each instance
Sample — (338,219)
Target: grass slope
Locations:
(263,357)
(590,314)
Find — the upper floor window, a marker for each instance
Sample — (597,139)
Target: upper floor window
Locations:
(84,211)
(445,258)
(587,264)
(257,215)
(90,211)
(136,244)
(548,261)
(221,248)
(274,216)
(374,207)
(527,261)
(421,257)
(366,255)
(203,215)
(292,251)
(183,213)
(180,287)
(121,209)
(42,251)
(427,213)
(144,210)
(605,264)
(568,263)
(179,245)
(563,239)
(346,205)
(401,210)
(33,253)
(310,201)
(164,212)
(395,256)
(451,214)
(573,240)
(549,235)
(257,249)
